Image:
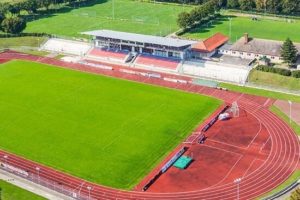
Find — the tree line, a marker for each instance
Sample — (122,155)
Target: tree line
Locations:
(286,7)
(11,20)
(199,14)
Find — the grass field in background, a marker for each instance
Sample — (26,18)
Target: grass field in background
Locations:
(260,92)
(102,129)
(130,16)
(263,28)
(21,41)
(11,192)
(274,80)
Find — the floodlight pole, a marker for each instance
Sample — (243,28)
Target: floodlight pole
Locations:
(89,189)
(290,103)
(5,159)
(38,174)
(113,9)
(230,27)
(237,182)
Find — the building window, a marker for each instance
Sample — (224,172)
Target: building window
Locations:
(234,52)
(256,55)
(249,54)
(272,57)
(241,53)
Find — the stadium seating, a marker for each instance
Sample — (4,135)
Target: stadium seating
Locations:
(66,46)
(153,61)
(217,71)
(109,55)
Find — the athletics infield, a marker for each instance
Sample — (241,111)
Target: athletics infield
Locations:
(257,146)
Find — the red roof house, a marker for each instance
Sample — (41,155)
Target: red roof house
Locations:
(211,43)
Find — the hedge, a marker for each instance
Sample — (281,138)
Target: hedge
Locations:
(284,72)
(7,35)
(296,74)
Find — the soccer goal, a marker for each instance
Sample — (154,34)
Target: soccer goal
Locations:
(234,109)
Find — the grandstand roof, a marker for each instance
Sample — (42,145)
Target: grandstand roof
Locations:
(210,43)
(164,41)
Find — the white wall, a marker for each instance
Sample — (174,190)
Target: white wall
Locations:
(66,46)
(250,56)
(218,71)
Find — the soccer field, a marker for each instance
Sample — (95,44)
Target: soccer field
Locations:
(102,129)
(263,28)
(129,16)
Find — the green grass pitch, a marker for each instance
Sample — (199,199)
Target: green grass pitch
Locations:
(130,16)
(263,28)
(11,192)
(102,129)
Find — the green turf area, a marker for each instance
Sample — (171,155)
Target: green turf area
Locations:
(283,116)
(296,175)
(102,129)
(130,16)
(21,41)
(264,28)
(11,192)
(260,92)
(274,80)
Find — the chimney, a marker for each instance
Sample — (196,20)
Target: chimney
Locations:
(246,37)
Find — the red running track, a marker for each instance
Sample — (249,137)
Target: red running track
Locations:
(280,164)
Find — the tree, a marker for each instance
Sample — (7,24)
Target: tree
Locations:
(274,6)
(289,52)
(233,4)
(1,19)
(260,4)
(13,24)
(184,20)
(290,6)
(29,5)
(247,4)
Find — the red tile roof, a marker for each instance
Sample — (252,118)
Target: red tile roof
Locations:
(211,43)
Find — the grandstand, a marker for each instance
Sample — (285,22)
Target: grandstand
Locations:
(108,55)
(141,44)
(196,58)
(66,46)
(157,62)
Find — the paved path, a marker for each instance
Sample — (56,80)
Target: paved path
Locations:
(32,187)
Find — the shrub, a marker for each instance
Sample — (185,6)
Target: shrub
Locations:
(283,72)
(13,25)
(296,74)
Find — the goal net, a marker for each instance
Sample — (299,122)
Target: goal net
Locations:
(234,109)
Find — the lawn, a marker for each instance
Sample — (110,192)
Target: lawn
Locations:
(21,41)
(263,28)
(261,92)
(11,192)
(102,129)
(130,16)
(274,80)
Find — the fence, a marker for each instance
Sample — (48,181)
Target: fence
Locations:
(283,192)
(272,88)
(23,169)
